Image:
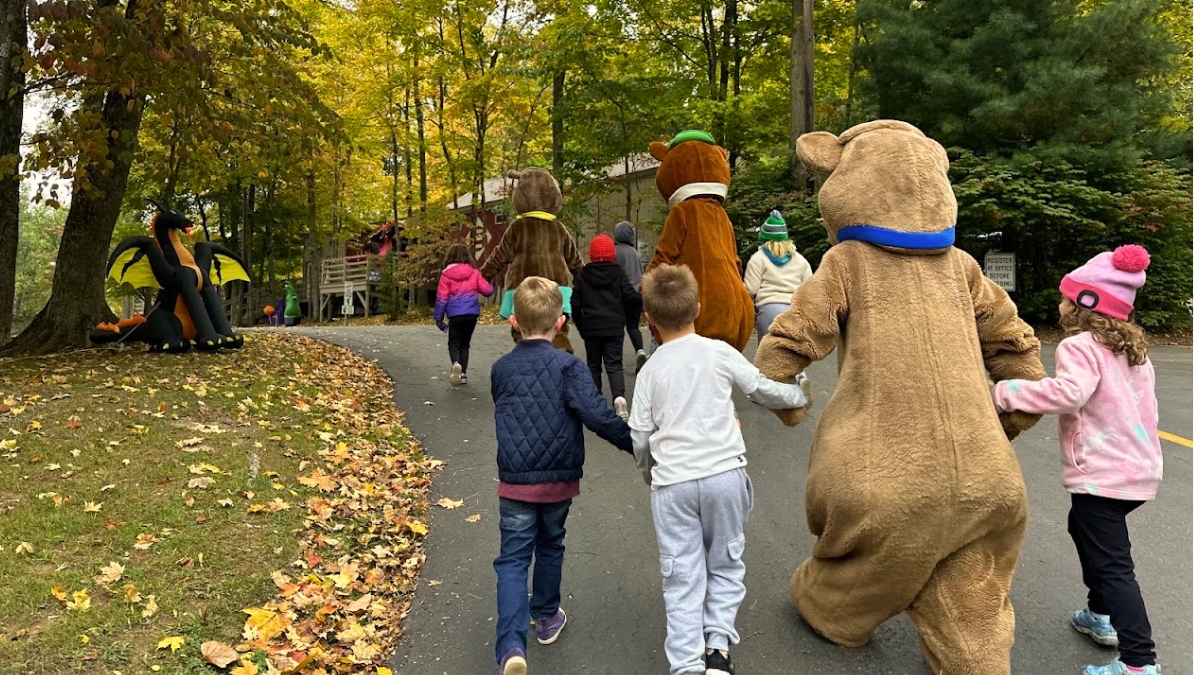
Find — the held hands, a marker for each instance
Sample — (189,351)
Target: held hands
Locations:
(794,416)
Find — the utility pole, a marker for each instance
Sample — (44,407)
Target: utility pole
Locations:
(801,81)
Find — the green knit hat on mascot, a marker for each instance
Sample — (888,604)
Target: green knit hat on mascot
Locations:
(774,229)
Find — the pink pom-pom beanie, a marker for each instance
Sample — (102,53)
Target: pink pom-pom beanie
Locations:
(1108,283)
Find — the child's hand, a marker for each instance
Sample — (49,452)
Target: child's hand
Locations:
(442,327)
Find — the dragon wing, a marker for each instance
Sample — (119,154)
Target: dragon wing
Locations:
(139,262)
(222,265)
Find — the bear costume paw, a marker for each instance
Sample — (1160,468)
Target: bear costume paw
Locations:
(1015,423)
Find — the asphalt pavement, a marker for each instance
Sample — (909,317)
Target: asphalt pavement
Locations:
(611,581)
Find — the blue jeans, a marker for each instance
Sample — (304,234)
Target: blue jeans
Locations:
(524,529)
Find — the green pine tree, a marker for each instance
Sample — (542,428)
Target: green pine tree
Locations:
(1071,80)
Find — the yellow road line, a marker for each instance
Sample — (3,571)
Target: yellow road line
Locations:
(1178,440)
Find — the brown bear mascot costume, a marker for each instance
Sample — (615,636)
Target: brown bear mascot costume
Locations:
(536,244)
(914,491)
(694,179)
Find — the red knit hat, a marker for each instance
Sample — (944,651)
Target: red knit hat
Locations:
(602,249)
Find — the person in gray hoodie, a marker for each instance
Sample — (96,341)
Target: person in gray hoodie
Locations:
(629,261)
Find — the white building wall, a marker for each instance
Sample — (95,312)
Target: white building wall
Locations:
(647,212)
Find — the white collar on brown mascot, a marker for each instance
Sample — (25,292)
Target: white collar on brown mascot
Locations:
(696,189)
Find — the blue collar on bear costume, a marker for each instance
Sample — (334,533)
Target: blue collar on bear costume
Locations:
(881,236)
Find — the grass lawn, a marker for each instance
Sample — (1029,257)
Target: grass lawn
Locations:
(269,499)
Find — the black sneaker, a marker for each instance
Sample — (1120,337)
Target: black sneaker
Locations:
(716,663)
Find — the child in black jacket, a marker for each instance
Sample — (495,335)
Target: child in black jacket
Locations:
(602,303)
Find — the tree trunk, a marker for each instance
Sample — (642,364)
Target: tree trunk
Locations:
(395,171)
(312,258)
(423,177)
(556,115)
(801,81)
(13,29)
(408,175)
(77,301)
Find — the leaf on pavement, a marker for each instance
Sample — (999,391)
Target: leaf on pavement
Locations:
(475,518)
(447,503)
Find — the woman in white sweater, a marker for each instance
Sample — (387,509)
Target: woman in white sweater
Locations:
(774,272)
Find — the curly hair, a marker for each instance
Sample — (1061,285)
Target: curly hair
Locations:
(1119,337)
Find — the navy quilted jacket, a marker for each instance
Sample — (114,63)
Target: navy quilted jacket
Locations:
(544,397)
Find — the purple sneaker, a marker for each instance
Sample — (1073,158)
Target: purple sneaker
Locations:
(513,662)
(548,629)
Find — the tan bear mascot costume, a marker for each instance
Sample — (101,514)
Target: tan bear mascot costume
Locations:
(914,491)
(694,179)
(536,244)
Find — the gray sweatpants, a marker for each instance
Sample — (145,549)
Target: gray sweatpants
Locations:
(701,536)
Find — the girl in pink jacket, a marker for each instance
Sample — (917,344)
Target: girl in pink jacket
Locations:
(1103,394)
(457,308)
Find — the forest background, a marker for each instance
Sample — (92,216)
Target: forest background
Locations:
(276,124)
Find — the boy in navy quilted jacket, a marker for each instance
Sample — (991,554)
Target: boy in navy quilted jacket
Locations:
(544,397)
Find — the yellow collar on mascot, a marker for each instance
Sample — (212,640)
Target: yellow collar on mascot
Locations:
(696,189)
(540,215)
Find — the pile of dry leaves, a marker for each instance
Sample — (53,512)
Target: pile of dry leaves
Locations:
(339,605)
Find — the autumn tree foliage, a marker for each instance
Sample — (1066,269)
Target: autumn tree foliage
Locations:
(279,125)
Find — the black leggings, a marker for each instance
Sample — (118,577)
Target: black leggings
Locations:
(606,353)
(1097,524)
(461,329)
(634,328)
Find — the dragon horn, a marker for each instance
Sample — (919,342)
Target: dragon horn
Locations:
(155,205)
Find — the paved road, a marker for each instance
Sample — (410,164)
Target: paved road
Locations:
(611,583)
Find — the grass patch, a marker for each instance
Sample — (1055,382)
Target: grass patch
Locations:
(145,497)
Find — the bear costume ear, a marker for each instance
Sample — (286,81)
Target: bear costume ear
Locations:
(820,151)
(658,150)
(514,174)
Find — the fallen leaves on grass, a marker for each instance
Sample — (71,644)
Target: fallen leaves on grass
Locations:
(92,507)
(24,548)
(110,574)
(218,654)
(80,601)
(150,608)
(172,641)
(361,551)
(145,540)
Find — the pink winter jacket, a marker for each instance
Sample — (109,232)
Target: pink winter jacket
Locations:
(1107,419)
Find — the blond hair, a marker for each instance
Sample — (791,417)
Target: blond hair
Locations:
(1119,337)
(780,249)
(537,304)
(670,296)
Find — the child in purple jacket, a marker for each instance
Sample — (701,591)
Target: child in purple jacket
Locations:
(1103,394)
(458,305)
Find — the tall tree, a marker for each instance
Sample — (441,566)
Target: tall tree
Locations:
(1065,79)
(801,82)
(12,101)
(109,59)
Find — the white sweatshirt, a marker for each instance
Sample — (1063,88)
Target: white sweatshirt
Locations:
(768,283)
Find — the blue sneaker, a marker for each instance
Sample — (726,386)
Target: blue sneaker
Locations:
(1118,668)
(513,662)
(549,628)
(1096,626)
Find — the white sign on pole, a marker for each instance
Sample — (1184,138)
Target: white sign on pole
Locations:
(1002,269)
(348,298)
